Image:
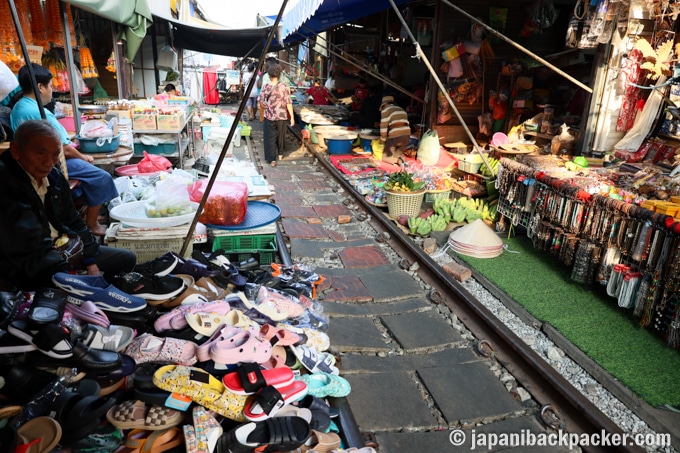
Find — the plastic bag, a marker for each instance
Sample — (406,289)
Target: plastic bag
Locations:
(429,148)
(226,205)
(96,129)
(8,81)
(152,163)
(171,198)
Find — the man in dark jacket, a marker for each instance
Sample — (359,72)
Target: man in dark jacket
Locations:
(36,207)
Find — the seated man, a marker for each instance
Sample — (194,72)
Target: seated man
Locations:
(36,208)
(96,186)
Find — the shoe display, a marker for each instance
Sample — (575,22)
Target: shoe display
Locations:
(81,288)
(150,288)
(159,267)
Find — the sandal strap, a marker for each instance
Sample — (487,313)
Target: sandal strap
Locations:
(280,431)
(270,399)
(251,377)
(49,336)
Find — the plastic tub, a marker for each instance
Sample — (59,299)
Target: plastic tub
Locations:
(339,145)
(107,145)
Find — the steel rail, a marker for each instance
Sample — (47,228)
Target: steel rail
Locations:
(540,379)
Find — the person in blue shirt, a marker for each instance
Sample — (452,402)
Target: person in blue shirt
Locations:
(96,186)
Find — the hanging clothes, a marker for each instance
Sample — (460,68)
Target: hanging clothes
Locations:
(630,75)
(210,94)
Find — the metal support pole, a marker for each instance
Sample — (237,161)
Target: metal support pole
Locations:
(442,88)
(514,44)
(70,64)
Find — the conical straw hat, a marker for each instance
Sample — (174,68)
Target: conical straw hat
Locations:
(476,239)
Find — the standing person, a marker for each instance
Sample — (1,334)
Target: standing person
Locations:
(319,93)
(36,208)
(251,103)
(395,130)
(96,186)
(278,109)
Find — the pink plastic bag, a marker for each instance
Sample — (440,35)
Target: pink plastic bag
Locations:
(151,163)
(226,205)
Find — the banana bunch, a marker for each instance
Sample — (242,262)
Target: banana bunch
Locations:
(444,207)
(418,225)
(437,222)
(494,166)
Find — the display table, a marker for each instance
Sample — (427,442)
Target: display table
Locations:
(181,144)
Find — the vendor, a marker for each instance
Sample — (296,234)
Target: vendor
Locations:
(36,208)
(395,130)
(368,116)
(319,93)
(95,186)
(171,90)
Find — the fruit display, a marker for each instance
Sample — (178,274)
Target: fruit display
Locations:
(485,171)
(153,211)
(403,181)
(466,209)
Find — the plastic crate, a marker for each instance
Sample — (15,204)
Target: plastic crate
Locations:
(240,248)
(162,148)
(428,200)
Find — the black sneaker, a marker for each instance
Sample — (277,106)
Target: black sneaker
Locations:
(149,288)
(159,267)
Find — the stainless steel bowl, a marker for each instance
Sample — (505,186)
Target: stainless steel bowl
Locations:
(92,109)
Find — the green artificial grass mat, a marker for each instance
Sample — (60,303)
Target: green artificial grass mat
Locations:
(590,319)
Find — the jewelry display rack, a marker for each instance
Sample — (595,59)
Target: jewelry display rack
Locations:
(631,250)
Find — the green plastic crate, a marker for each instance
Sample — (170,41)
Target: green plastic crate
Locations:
(241,248)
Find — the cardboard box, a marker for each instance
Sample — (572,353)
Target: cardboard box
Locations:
(172,122)
(120,114)
(143,122)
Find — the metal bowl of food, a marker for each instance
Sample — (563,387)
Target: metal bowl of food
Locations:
(92,109)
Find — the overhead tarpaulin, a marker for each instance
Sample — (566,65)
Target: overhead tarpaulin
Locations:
(219,41)
(332,13)
(135,15)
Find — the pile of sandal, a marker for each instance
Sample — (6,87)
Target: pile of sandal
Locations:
(195,355)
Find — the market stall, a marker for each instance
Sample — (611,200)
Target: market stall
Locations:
(609,225)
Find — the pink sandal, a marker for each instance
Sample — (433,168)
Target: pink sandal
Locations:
(246,346)
(89,312)
(175,319)
(279,336)
(151,349)
(222,333)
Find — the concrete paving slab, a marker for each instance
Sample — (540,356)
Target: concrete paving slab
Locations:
(306,247)
(360,257)
(388,402)
(375,309)
(416,331)
(405,442)
(358,363)
(356,335)
(346,288)
(363,272)
(486,438)
(331,210)
(468,392)
(392,285)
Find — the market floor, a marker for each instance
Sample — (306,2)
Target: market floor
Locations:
(412,366)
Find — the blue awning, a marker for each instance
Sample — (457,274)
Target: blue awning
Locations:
(297,15)
(330,14)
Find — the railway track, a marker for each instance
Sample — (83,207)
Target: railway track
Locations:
(561,405)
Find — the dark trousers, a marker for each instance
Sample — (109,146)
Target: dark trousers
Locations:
(113,260)
(274,139)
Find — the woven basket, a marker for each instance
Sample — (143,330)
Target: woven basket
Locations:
(404,203)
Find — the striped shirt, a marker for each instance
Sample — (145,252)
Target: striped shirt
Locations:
(393,122)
